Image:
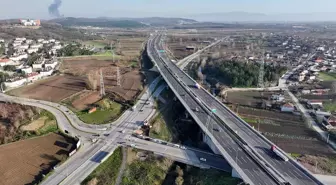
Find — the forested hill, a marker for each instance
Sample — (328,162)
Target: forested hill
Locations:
(98,22)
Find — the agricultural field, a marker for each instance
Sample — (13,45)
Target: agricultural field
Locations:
(178,48)
(53,89)
(286,130)
(83,100)
(247,98)
(25,162)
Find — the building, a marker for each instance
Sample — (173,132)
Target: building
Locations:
(330,120)
(31,77)
(29,22)
(27,69)
(19,57)
(5,62)
(287,107)
(277,97)
(29,41)
(40,40)
(15,82)
(315,102)
(32,50)
(48,71)
(36,46)
(2,41)
(51,63)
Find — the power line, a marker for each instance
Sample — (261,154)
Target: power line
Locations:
(102,87)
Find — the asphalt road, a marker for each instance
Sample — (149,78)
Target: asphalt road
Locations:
(248,168)
(290,171)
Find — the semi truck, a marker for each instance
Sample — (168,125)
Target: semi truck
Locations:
(276,151)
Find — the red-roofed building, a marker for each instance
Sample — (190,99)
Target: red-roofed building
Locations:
(287,107)
(5,62)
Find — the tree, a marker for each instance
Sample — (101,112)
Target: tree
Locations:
(179,180)
(9,68)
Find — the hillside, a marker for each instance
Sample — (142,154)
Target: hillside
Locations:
(97,22)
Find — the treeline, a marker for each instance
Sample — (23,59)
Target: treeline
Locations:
(73,50)
(240,74)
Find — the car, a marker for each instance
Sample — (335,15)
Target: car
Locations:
(122,131)
(133,145)
(196,109)
(203,159)
(106,135)
(216,129)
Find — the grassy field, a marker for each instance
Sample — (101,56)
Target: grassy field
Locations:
(327,76)
(193,175)
(330,106)
(107,111)
(106,173)
(160,129)
(95,43)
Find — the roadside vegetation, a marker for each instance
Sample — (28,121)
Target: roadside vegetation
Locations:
(107,172)
(327,76)
(330,106)
(73,50)
(107,111)
(160,129)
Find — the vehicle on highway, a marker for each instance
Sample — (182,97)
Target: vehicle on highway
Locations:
(203,159)
(183,147)
(121,142)
(106,135)
(133,145)
(196,109)
(216,129)
(96,135)
(122,131)
(197,86)
(278,153)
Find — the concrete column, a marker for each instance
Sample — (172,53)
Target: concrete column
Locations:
(208,141)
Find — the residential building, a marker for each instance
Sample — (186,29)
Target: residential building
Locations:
(287,107)
(31,77)
(277,97)
(36,46)
(48,71)
(330,120)
(15,82)
(32,50)
(19,57)
(40,40)
(5,62)
(27,69)
(315,102)
(50,63)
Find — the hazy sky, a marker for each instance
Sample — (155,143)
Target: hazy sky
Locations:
(172,8)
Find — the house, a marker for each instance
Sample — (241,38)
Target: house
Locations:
(29,41)
(2,41)
(27,69)
(52,40)
(39,63)
(36,46)
(31,77)
(15,82)
(48,71)
(32,50)
(287,107)
(19,57)
(50,63)
(277,97)
(5,62)
(190,48)
(315,102)
(305,91)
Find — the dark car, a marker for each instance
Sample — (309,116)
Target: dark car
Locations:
(216,129)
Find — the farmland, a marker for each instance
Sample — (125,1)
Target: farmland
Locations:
(52,89)
(286,130)
(327,76)
(24,162)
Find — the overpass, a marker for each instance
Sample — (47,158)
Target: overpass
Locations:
(245,149)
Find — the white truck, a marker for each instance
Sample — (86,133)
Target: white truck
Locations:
(278,153)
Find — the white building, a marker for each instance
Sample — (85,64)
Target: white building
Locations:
(51,63)
(5,62)
(31,77)
(2,40)
(57,47)
(45,42)
(29,41)
(288,107)
(16,44)
(19,57)
(40,40)
(36,46)
(23,47)
(15,82)
(46,72)
(27,69)
(20,39)
(32,50)
(52,40)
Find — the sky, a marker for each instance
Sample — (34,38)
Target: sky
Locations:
(165,8)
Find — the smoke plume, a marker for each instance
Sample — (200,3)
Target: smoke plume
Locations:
(53,8)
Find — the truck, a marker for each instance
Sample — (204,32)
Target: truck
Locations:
(276,151)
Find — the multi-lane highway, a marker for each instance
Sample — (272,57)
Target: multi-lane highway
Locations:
(261,166)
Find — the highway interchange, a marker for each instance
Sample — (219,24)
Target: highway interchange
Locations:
(269,169)
(79,166)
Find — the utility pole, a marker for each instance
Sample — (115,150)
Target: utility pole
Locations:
(102,88)
(118,77)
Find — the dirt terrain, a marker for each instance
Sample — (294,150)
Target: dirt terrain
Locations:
(52,89)
(85,99)
(131,78)
(23,161)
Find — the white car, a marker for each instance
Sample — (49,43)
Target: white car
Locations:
(203,159)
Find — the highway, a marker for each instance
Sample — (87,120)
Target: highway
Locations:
(290,171)
(230,147)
